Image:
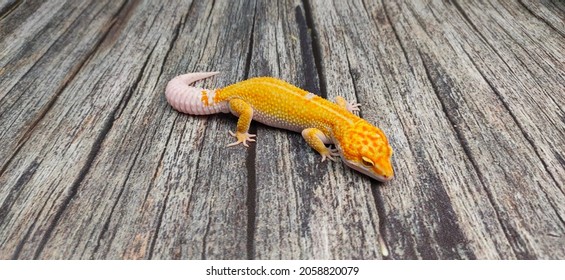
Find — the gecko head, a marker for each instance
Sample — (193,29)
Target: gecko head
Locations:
(365,148)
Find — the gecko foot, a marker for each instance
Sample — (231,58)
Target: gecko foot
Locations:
(352,106)
(242,138)
(332,153)
(349,106)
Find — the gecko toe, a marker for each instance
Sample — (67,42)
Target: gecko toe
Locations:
(242,138)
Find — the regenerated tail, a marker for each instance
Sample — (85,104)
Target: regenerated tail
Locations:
(193,100)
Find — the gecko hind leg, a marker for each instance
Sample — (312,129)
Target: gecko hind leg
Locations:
(244,111)
(318,140)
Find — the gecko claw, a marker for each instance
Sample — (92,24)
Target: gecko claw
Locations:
(332,153)
(241,138)
(351,107)
(324,157)
(347,105)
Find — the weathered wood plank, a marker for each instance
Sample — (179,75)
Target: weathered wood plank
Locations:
(37,62)
(43,46)
(549,12)
(526,77)
(517,185)
(85,168)
(174,196)
(209,219)
(94,164)
(7,7)
(450,190)
(304,208)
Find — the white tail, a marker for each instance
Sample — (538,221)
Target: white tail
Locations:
(193,100)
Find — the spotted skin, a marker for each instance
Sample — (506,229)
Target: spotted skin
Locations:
(277,103)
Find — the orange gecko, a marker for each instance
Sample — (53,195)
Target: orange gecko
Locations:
(277,103)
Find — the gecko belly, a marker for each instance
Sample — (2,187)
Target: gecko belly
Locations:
(274,122)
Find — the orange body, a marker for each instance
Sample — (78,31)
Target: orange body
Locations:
(277,103)
(280,104)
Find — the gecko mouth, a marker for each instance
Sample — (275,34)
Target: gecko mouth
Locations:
(366,171)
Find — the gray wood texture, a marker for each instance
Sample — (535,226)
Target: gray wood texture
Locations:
(94,164)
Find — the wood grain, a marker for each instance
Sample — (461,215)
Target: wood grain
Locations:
(94,164)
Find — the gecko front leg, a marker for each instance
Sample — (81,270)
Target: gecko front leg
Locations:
(318,140)
(244,111)
(349,106)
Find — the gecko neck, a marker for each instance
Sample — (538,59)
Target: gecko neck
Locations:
(340,129)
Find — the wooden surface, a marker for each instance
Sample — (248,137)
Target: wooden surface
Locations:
(94,164)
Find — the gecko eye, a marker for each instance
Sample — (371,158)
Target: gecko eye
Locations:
(367,162)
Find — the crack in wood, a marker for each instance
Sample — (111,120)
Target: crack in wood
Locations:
(526,51)
(15,191)
(92,155)
(123,187)
(400,43)
(75,185)
(311,74)
(176,32)
(251,200)
(123,15)
(203,255)
(174,40)
(161,157)
(9,8)
(75,70)
(158,226)
(26,48)
(542,19)
(106,224)
(498,94)
(208,33)
(496,51)
(316,47)
(377,194)
(554,207)
(22,242)
(20,245)
(382,217)
(466,149)
(419,19)
(126,97)
(515,119)
(353,78)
